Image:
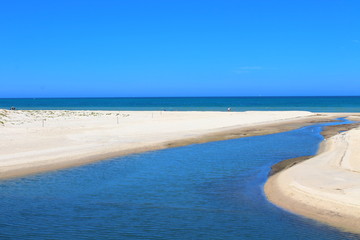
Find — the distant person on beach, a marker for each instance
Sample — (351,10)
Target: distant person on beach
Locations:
(12,108)
(229,109)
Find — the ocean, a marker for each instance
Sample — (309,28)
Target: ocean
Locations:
(211,191)
(313,104)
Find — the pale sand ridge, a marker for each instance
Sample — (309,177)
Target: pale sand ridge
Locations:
(325,187)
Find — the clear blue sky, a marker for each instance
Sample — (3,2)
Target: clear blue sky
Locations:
(104,48)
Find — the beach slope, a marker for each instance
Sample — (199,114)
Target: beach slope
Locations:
(326,187)
(38,141)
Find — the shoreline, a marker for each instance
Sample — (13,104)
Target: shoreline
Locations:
(327,132)
(33,142)
(73,138)
(325,187)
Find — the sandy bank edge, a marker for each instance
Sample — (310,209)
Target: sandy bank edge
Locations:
(332,214)
(216,135)
(327,132)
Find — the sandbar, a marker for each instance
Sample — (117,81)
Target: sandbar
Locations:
(44,140)
(325,187)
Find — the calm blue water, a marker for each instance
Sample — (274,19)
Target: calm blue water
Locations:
(205,191)
(314,104)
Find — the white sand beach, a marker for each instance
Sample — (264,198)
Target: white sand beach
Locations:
(37,141)
(326,187)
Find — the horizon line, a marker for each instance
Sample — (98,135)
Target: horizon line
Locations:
(270,96)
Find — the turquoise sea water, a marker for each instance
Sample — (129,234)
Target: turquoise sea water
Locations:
(204,191)
(314,104)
